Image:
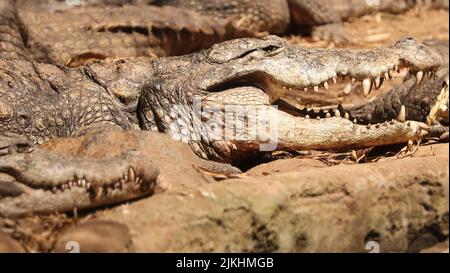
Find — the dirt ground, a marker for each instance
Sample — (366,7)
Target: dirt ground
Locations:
(381,29)
(310,202)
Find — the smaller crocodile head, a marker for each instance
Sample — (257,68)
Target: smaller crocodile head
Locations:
(258,72)
(276,68)
(53,178)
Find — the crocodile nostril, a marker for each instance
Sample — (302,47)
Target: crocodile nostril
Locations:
(24,118)
(9,189)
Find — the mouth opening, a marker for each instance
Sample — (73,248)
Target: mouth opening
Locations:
(321,100)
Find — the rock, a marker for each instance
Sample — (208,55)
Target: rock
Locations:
(9,245)
(439,248)
(400,204)
(95,237)
(286,165)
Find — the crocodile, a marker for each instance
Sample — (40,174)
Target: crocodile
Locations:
(106,28)
(174,95)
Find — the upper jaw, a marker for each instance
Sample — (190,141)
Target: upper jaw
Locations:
(314,69)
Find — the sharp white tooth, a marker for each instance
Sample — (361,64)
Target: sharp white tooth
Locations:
(402,114)
(386,75)
(100,192)
(328,115)
(391,73)
(353,80)
(337,113)
(334,80)
(325,85)
(419,77)
(316,88)
(378,82)
(348,88)
(307,116)
(355,121)
(410,145)
(305,89)
(396,69)
(367,87)
(131,175)
(347,116)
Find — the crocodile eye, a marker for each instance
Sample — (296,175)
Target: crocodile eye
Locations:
(272,49)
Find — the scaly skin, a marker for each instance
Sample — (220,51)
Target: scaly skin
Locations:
(76,36)
(44,102)
(107,28)
(323,16)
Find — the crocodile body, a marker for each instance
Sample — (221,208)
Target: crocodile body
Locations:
(174,95)
(73,35)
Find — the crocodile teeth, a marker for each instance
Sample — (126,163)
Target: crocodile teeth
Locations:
(337,113)
(391,73)
(353,80)
(367,87)
(402,114)
(316,88)
(99,191)
(328,115)
(131,175)
(378,82)
(396,68)
(325,85)
(348,88)
(347,116)
(334,80)
(419,77)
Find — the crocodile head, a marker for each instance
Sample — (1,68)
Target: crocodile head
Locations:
(255,73)
(69,174)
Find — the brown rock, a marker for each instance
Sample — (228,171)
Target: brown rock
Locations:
(401,204)
(9,245)
(439,248)
(285,166)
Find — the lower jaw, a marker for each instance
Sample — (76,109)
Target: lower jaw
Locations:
(277,130)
